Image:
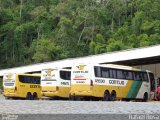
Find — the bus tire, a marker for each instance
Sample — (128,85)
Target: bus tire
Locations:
(113,96)
(29,96)
(35,97)
(71,97)
(106,96)
(145,97)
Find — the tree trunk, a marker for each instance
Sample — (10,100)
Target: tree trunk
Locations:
(38,32)
(112,24)
(20,12)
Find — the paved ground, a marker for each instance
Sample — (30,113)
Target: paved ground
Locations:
(76,107)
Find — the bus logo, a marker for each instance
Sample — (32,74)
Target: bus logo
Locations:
(48,72)
(81,67)
(9,76)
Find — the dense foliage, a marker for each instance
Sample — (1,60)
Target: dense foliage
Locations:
(33,31)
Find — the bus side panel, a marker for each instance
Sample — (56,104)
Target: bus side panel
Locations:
(134,89)
(64,88)
(125,90)
(20,88)
(98,90)
(64,91)
(121,91)
(144,88)
(24,88)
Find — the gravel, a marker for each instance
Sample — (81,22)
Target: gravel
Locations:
(76,107)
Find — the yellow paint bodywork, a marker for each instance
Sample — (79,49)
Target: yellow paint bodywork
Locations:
(9,92)
(22,89)
(98,90)
(53,92)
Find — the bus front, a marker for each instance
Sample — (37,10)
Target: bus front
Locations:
(81,82)
(49,86)
(9,85)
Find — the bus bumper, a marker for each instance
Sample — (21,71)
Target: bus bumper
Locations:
(50,93)
(10,95)
(82,93)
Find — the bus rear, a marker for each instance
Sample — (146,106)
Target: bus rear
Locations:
(55,83)
(49,82)
(9,85)
(81,83)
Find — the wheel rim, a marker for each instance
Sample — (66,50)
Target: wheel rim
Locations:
(113,96)
(35,96)
(106,96)
(29,97)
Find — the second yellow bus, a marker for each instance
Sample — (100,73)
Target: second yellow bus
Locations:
(55,83)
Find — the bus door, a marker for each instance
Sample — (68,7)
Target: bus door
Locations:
(49,80)
(81,78)
(152,85)
(9,81)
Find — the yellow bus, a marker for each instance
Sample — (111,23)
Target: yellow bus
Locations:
(25,86)
(55,83)
(109,82)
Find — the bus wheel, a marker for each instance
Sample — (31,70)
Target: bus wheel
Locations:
(106,96)
(145,97)
(28,96)
(71,97)
(35,97)
(113,96)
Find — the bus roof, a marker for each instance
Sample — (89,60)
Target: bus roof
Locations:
(123,67)
(27,74)
(116,66)
(57,69)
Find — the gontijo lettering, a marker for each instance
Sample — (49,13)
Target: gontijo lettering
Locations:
(117,82)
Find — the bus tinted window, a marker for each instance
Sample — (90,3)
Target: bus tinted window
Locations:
(112,73)
(128,75)
(137,76)
(145,77)
(29,79)
(141,76)
(65,75)
(105,72)
(97,71)
(120,74)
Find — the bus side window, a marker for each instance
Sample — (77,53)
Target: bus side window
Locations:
(65,75)
(105,72)
(112,73)
(21,79)
(129,75)
(38,80)
(145,77)
(137,76)
(28,79)
(97,71)
(120,74)
(68,75)
(34,80)
(62,75)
